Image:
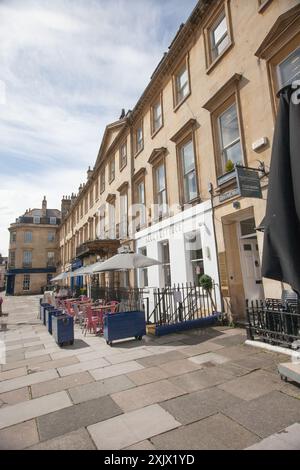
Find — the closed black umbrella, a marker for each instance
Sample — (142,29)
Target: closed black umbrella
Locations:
(281,252)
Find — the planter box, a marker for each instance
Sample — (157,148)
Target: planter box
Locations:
(42,306)
(49,317)
(63,329)
(46,311)
(123,325)
(161,330)
(229,176)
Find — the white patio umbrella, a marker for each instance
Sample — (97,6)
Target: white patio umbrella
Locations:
(83,271)
(60,277)
(124,262)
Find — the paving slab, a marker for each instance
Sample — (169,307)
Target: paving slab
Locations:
(267,414)
(82,366)
(148,375)
(78,416)
(36,347)
(143,445)
(239,351)
(61,383)
(100,388)
(145,395)
(202,348)
(19,436)
(252,386)
(198,405)
(67,361)
(158,359)
(75,440)
(15,396)
(14,356)
(40,353)
(201,379)
(24,411)
(257,361)
(131,427)
(26,380)
(231,340)
(216,432)
(26,362)
(208,357)
(131,355)
(179,367)
(288,439)
(13,373)
(116,369)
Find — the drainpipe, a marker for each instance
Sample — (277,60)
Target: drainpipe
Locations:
(132,192)
(211,192)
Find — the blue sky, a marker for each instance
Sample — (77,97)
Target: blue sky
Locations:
(67,68)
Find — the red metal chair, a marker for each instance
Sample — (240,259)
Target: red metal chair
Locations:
(91,321)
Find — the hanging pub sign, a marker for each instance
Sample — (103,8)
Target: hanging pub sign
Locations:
(248,182)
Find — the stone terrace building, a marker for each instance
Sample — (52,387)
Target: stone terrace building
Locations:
(210,103)
(32,251)
(3,266)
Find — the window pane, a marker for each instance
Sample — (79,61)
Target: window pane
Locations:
(222,45)
(234,153)
(182,84)
(188,159)
(28,237)
(190,186)
(247,227)
(220,29)
(229,126)
(219,36)
(160,178)
(157,116)
(289,69)
(141,193)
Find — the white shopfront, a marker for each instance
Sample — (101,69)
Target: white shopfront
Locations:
(184,244)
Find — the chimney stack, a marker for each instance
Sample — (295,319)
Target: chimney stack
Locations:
(44,207)
(89,173)
(65,206)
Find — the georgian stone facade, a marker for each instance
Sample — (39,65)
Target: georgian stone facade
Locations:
(33,255)
(211,103)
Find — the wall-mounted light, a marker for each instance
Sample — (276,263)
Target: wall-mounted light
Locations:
(236,205)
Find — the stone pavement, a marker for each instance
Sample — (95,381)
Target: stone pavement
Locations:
(202,389)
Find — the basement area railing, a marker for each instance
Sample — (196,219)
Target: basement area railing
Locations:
(274,321)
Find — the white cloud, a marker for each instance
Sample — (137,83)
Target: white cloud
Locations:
(67,68)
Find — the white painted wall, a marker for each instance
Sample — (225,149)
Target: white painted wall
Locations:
(197,218)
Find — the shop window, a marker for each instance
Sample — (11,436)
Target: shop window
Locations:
(26,282)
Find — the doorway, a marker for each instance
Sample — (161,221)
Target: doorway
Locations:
(250,261)
(10,284)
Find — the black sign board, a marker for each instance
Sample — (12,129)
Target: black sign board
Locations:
(248,182)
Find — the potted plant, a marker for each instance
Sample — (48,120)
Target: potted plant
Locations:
(206,283)
(229,166)
(229,173)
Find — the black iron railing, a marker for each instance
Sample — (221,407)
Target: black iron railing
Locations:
(129,298)
(273,321)
(182,303)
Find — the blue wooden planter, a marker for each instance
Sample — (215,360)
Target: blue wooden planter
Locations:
(42,307)
(161,330)
(46,311)
(49,316)
(123,325)
(63,329)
